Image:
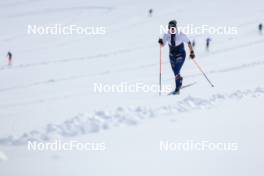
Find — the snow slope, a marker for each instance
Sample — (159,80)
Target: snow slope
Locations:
(48,92)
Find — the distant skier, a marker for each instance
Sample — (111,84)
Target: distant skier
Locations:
(150,12)
(9,56)
(260,28)
(193,43)
(208,41)
(176,40)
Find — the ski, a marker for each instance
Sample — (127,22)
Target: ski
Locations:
(184,86)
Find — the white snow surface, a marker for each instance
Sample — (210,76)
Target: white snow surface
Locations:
(48,92)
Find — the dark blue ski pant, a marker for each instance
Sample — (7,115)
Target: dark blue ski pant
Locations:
(176,65)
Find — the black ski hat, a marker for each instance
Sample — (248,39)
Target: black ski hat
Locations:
(172,23)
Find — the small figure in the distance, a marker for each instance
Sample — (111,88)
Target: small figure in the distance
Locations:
(193,43)
(260,26)
(150,12)
(9,57)
(208,41)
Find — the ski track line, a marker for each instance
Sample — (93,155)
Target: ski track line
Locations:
(17,3)
(110,8)
(74,59)
(240,46)
(86,123)
(52,81)
(229,69)
(124,51)
(75,40)
(58,10)
(40,100)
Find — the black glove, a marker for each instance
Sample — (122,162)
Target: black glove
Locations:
(192,55)
(161,41)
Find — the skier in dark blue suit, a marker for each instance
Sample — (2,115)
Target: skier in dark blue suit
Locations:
(176,40)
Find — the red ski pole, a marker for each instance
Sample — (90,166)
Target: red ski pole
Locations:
(160,70)
(201,70)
